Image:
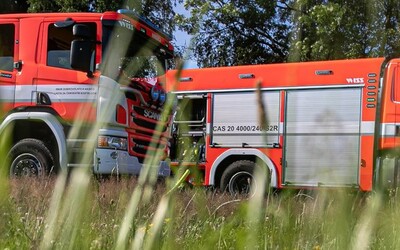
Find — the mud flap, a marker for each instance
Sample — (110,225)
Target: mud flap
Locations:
(389,173)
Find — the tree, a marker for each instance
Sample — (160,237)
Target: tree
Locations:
(252,32)
(13,6)
(339,29)
(236,32)
(389,23)
(57,6)
(160,13)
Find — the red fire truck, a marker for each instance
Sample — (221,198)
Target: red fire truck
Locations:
(73,81)
(328,124)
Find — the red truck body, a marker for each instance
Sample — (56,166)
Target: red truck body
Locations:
(327,124)
(71,82)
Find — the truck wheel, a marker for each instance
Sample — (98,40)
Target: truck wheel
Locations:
(30,157)
(238,177)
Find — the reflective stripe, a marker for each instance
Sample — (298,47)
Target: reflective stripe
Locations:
(57,92)
(25,93)
(389,129)
(7,93)
(368,128)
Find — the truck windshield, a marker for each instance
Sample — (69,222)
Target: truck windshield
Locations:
(143,66)
(131,52)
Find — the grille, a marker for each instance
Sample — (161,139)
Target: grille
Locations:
(143,146)
(143,123)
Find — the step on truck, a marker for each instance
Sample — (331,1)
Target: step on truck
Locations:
(71,82)
(326,124)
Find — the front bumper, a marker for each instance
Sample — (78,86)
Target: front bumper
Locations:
(110,161)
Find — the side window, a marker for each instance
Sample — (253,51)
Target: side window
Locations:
(7,32)
(59,45)
(396,85)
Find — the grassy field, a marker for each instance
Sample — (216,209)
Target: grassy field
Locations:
(79,211)
(85,213)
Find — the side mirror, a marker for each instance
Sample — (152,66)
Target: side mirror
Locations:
(82,49)
(81,31)
(82,56)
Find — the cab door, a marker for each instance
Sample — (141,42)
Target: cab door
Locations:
(389,165)
(71,93)
(396,102)
(8,56)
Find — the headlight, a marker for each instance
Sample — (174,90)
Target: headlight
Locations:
(112,142)
(162,98)
(154,93)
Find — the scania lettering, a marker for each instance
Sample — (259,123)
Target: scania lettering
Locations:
(71,82)
(307,125)
(152,115)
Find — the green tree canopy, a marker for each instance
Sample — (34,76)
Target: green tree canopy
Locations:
(57,6)
(339,29)
(257,31)
(13,6)
(236,32)
(160,12)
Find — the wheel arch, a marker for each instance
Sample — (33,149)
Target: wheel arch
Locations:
(46,126)
(232,155)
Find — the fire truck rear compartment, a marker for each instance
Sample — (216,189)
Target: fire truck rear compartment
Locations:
(322,137)
(320,131)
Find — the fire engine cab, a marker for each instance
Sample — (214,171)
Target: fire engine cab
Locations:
(82,89)
(327,124)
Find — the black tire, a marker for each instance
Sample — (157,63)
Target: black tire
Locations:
(238,178)
(30,157)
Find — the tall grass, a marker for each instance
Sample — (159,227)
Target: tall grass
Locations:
(193,218)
